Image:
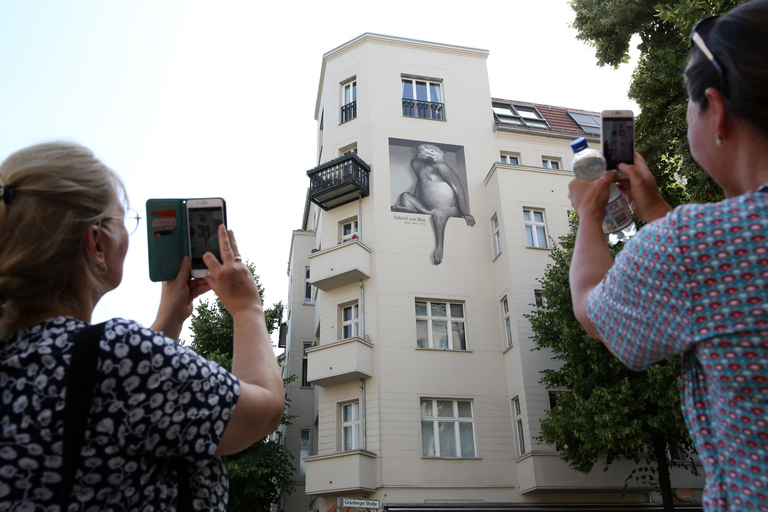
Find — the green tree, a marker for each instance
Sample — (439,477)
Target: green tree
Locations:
(608,410)
(260,474)
(657,83)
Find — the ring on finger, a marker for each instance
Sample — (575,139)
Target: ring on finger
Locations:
(238,258)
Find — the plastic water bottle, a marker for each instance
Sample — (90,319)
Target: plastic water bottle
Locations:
(589,165)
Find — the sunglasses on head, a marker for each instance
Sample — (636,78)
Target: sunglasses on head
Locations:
(699,32)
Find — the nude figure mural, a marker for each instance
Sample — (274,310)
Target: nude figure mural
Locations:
(438,192)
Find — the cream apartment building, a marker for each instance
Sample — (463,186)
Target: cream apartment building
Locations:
(428,220)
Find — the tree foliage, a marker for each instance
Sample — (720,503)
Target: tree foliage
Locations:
(608,410)
(657,83)
(260,474)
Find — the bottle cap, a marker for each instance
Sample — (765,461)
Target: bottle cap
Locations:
(579,144)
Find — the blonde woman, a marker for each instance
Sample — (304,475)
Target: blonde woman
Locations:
(63,239)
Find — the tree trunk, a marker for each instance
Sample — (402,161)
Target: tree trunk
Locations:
(662,462)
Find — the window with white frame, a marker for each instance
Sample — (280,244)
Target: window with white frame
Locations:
(496,235)
(304,365)
(349,321)
(510,158)
(440,325)
(423,98)
(554,403)
(307,286)
(551,163)
(447,428)
(507,321)
(519,426)
(535,228)
(304,446)
(348,100)
(348,230)
(350,426)
(540,300)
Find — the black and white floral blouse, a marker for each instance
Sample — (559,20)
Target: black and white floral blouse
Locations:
(156,400)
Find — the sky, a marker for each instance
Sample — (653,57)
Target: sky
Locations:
(192,98)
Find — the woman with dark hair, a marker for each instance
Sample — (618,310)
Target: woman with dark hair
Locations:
(694,280)
(160,414)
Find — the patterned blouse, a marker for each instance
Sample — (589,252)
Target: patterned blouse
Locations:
(696,282)
(156,400)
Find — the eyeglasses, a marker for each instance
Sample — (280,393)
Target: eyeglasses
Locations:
(131,220)
(700,30)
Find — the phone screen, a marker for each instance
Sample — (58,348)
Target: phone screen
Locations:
(618,141)
(203,233)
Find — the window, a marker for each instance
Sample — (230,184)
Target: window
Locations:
(422,98)
(304,365)
(590,123)
(535,229)
(554,403)
(307,286)
(496,235)
(349,230)
(304,444)
(524,116)
(538,297)
(551,163)
(348,101)
(507,320)
(519,426)
(509,158)
(349,323)
(350,426)
(440,325)
(447,428)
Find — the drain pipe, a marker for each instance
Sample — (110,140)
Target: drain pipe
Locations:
(360,216)
(363,443)
(362,309)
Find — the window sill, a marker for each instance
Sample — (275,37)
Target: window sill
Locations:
(509,347)
(444,350)
(497,256)
(451,458)
(539,248)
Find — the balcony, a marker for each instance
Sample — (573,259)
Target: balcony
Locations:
(345,472)
(342,264)
(339,362)
(339,181)
(423,109)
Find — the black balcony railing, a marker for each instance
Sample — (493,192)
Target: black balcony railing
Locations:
(348,112)
(339,181)
(423,109)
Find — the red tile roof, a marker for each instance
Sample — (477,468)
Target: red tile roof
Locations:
(557,117)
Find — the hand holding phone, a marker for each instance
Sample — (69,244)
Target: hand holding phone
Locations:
(617,135)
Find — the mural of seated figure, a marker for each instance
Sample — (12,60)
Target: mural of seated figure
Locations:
(438,193)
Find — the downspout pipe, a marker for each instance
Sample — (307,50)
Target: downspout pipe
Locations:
(363,443)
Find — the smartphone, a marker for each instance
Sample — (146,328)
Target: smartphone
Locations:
(617,133)
(204,216)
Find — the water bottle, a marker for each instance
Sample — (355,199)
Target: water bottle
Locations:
(589,165)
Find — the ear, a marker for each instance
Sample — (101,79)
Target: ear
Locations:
(94,245)
(721,117)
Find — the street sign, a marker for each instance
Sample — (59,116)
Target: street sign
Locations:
(351,502)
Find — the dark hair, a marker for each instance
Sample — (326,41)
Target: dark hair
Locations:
(739,41)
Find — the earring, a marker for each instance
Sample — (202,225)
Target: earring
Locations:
(718,140)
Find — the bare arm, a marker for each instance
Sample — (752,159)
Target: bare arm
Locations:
(449,175)
(591,257)
(262,394)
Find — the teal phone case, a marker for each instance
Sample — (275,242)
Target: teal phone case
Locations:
(167,240)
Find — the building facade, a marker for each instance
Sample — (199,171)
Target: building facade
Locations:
(429,220)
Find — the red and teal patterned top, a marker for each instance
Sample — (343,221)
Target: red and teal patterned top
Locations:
(696,282)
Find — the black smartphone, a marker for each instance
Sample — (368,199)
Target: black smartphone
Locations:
(204,216)
(617,135)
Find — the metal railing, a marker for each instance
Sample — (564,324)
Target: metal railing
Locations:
(423,109)
(348,112)
(346,173)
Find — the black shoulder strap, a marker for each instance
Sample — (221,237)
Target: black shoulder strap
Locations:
(77,405)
